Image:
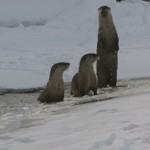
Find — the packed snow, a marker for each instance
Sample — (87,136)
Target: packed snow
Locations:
(35,34)
(118,124)
(113,119)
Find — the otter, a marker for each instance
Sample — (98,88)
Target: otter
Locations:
(54,90)
(85,80)
(107,48)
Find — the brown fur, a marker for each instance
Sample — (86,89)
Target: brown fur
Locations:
(85,80)
(107,48)
(54,90)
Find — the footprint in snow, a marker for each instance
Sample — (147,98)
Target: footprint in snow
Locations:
(131,126)
(107,142)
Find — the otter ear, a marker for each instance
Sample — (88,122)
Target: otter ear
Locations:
(107,7)
(99,8)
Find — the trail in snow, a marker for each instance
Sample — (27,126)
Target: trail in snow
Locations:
(19,107)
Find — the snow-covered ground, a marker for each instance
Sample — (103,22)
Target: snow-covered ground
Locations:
(35,34)
(121,123)
(114,119)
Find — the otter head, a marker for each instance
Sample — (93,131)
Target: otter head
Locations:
(89,58)
(103,10)
(59,68)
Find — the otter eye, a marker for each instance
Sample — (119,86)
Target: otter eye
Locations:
(103,8)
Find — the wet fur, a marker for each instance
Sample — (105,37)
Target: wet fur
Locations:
(54,90)
(85,80)
(107,48)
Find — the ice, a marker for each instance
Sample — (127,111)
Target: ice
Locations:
(83,127)
(35,34)
(116,118)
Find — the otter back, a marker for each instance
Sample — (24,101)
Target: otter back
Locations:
(54,90)
(85,80)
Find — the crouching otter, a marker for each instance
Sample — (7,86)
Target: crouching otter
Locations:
(85,80)
(107,48)
(54,90)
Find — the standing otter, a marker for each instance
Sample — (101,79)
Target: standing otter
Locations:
(107,48)
(85,80)
(54,90)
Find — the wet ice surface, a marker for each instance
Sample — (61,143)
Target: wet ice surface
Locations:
(25,105)
(116,118)
(20,102)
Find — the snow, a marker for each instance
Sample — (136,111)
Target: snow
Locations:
(114,119)
(113,124)
(35,34)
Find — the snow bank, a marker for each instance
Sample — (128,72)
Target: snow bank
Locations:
(35,34)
